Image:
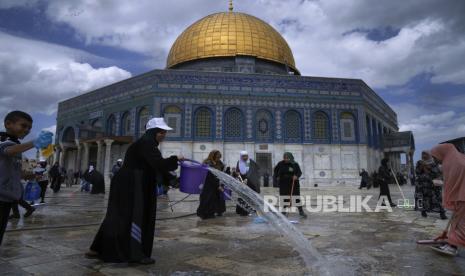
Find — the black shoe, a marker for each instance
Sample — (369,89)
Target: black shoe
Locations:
(29,212)
(424,214)
(207,217)
(145,261)
(303,215)
(91,255)
(443,216)
(393,205)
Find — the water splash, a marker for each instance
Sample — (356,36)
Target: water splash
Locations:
(314,261)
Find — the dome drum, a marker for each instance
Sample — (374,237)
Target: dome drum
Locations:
(239,64)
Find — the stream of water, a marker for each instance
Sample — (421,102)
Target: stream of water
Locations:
(313,260)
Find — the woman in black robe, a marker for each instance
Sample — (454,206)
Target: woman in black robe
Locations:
(126,233)
(288,173)
(96,179)
(384,174)
(211,201)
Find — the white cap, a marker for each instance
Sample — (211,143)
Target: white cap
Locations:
(157,123)
(119,160)
(244,152)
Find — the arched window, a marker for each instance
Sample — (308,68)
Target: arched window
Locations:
(96,124)
(263,125)
(111,126)
(347,123)
(126,124)
(144,116)
(173,115)
(203,123)
(320,126)
(68,135)
(292,125)
(233,124)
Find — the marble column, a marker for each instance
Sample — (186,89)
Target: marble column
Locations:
(85,159)
(62,156)
(77,166)
(98,166)
(56,156)
(107,168)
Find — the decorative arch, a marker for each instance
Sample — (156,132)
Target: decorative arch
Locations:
(96,124)
(143,117)
(264,125)
(321,128)
(233,124)
(69,135)
(203,123)
(292,126)
(348,127)
(172,109)
(111,126)
(126,129)
(173,117)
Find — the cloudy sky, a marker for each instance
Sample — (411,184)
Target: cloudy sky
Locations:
(412,52)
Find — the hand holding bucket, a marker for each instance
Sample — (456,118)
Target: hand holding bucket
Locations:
(193,175)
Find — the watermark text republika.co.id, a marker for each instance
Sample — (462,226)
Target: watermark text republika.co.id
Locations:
(334,203)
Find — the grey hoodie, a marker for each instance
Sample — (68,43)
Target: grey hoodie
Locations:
(11,188)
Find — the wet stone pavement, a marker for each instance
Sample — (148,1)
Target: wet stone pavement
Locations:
(53,240)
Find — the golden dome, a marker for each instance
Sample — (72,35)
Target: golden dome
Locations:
(227,34)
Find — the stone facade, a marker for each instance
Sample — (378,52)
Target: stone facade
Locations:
(333,126)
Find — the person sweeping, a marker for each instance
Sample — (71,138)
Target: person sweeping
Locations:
(126,233)
(288,173)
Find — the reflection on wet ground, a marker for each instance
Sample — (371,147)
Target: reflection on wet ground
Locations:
(53,240)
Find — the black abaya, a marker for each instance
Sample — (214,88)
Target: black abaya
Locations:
(285,172)
(96,179)
(385,175)
(126,233)
(211,201)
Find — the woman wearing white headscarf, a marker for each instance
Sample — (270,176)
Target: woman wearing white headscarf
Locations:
(249,172)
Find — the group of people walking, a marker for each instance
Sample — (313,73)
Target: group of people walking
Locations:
(212,201)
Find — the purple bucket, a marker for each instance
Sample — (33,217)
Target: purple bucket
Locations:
(192,177)
(226,194)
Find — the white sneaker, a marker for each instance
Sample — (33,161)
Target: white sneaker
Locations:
(446,250)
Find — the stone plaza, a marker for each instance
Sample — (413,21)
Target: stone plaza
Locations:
(54,239)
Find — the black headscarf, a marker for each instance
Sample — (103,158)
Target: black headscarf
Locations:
(152,133)
(384,162)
